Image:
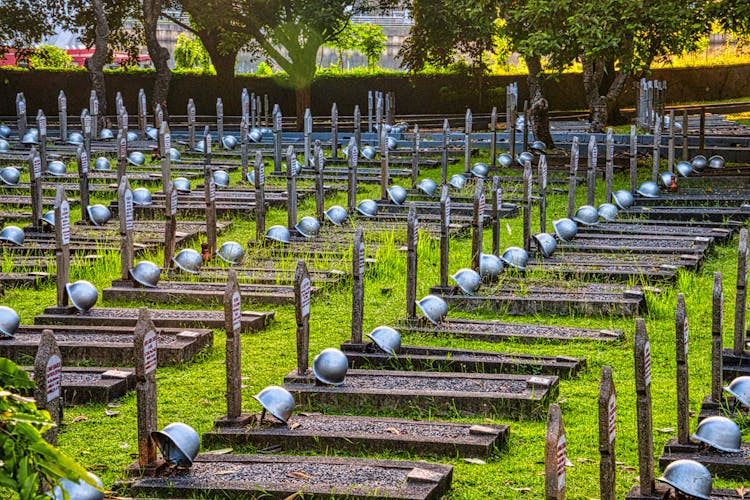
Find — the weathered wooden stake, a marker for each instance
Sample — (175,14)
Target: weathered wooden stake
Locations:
(351,191)
(740,300)
(125,214)
(62,114)
(717,345)
(21,114)
(445,221)
(41,122)
(232,326)
(633,159)
(94,108)
(191,123)
(670,143)
(702,133)
(593,160)
(62,245)
(165,143)
(415,157)
(48,382)
(308,126)
(334,132)
(369,111)
(642,349)
(82,158)
(209,193)
(656,151)
(573,178)
(357,127)
(685,141)
(467,141)
(555,457)
(35,176)
(609,165)
(527,183)
(144,352)
(497,203)
(607,432)
(220,120)
(122,154)
(318,162)
(543,193)
(277,153)
(302,314)
(384,160)
(170,224)
(525,125)
(358,285)
(493,137)
(244,148)
(142,110)
(683,395)
(444,157)
(478,225)
(291,189)
(412,243)
(260,196)
(86,127)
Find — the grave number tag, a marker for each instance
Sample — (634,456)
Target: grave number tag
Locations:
(236,311)
(37,164)
(128,210)
(261,176)
(42,125)
(685,335)
(647,363)
(277,122)
(612,417)
(65,222)
(123,151)
(54,377)
(304,293)
(361,259)
(211,189)
(561,459)
(84,162)
(21,107)
(448,212)
(167,143)
(173,208)
(87,124)
(149,352)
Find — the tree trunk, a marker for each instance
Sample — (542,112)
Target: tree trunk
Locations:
(159,55)
(539,107)
(602,103)
(223,63)
(303,100)
(95,63)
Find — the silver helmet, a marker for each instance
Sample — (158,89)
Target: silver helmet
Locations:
(131,136)
(146,273)
(337,215)
(4,131)
(75,138)
(174,155)
(179,443)
(716,161)
(10,176)
(684,168)
(255,135)
(505,160)
(516,258)
(608,212)
(480,169)
(152,133)
(188,260)
(221,178)
(490,266)
(231,252)
(368,152)
(49,218)
(106,134)
(9,321)
(427,186)
(387,339)
(98,214)
(467,280)
(101,164)
(546,244)
(80,490)
(141,197)
(368,208)
(718,432)
(623,198)
(308,227)
(397,194)
(587,215)
(278,233)
(538,147)
(56,168)
(524,157)
(699,163)
(649,189)
(740,389)
(82,294)
(277,401)
(200,147)
(251,177)
(434,308)
(4,146)
(689,477)
(668,180)
(229,142)
(13,234)
(30,137)
(457,181)
(565,229)
(182,185)
(136,158)
(330,366)
(392,143)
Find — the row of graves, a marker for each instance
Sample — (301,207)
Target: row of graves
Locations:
(599,252)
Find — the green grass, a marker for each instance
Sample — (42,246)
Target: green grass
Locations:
(194,392)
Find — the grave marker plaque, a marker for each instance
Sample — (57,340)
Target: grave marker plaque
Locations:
(122,154)
(543,193)
(467,140)
(125,200)
(717,330)
(607,433)
(220,120)
(445,220)
(740,300)
(82,157)
(573,177)
(41,121)
(478,225)
(318,162)
(260,199)
(245,105)
(291,188)
(35,176)
(210,198)
(302,315)
(683,396)
(232,323)
(444,153)
(307,139)
(351,192)
(642,354)
(593,157)
(48,382)
(384,152)
(62,114)
(165,142)
(511,115)
(358,286)
(609,165)
(244,150)
(497,203)
(87,129)
(412,264)
(94,118)
(527,206)
(158,116)
(145,369)
(62,245)
(555,457)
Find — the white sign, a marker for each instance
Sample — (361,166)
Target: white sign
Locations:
(167,143)
(42,121)
(37,164)
(84,162)
(173,201)
(647,363)
(128,197)
(21,107)
(65,222)
(612,417)
(482,204)
(594,156)
(261,171)
(447,212)
(87,124)
(123,151)
(361,259)
(277,122)
(561,460)
(236,311)
(62,103)
(53,374)
(208,144)
(685,333)
(95,107)
(211,189)
(191,114)
(354,155)
(149,352)
(304,294)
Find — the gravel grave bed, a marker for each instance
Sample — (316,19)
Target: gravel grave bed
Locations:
(157,314)
(390,382)
(631,243)
(457,326)
(89,338)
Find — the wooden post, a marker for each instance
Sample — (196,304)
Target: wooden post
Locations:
(493,137)
(543,193)
(232,326)
(145,355)
(527,183)
(477,225)
(573,177)
(244,148)
(35,176)
(260,197)
(318,162)
(609,165)
(555,457)
(683,395)
(525,125)
(467,141)
(93,131)
(62,245)
(209,194)
(191,124)
(369,111)
(642,349)
(351,192)
(277,153)
(702,132)
(41,122)
(740,300)
(717,347)
(379,117)
(358,285)
(165,143)
(220,120)
(607,433)
(334,132)
(656,151)
(122,154)
(633,159)
(357,127)
(308,125)
(142,110)
(670,143)
(685,142)
(444,157)
(383,162)
(497,204)
(291,189)
(302,314)
(170,224)
(412,244)
(266,109)
(158,116)
(593,160)
(62,114)
(511,116)
(445,221)
(21,114)
(48,382)
(415,157)
(125,214)
(82,158)
(86,127)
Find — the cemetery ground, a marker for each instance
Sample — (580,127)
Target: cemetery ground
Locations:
(103,437)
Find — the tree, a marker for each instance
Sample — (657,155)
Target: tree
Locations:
(190,53)
(24,23)
(152,10)
(370,40)
(49,56)
(732,15)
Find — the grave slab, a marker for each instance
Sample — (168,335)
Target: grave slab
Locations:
(726,465)
(685,213)
(81,385)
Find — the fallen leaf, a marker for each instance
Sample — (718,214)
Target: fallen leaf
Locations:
(477,461)
(222,451)
(299,475)
(568,463)
(525,489)
(113,405)
(124,446)
(224,472)
(628,468)
(584,459)
(80,418)
(111,413)
(294,425)
(742,491)
(666,430)
(393,430)
(294,496)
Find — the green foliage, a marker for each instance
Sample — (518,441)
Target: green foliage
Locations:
(264,69)
(370,40)
(49,56)
(28,461)
(23,23)
(189,53)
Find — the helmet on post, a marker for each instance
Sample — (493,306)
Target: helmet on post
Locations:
(689,477)
(141,197)
(229,142)
(684,168)
(56,168)
(179,443)
(387,339)
(480,169)
(699,163)
(221,178)
(106,134)
(82,294)
(716,162)
(136,158)
(524,157)
(75,138)
(188,260)
(277,401)
(101,164)
(182,185)
(330,366)
(740,389)
(146,273)
(434,308)
(467,280)
(505,160)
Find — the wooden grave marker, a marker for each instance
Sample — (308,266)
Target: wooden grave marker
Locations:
(416,139)
(209,193)
(291,189)
(607,435)
(358,286)
(681,356)
(62,115)
(82,158)
(444,153)
(493,137)
(260,196)
(144,352)
(302,315)
(220,120)
(527,184)
(125,215)
(122,154)
(318,162)
(573,177)
(62,245)
(170,224)
(543,193)
(165,144)
(412,264)
(142,110)
(357,126)
(277,130)
(41,122)
(21,114)
(191,123)
(468,122)
(307,138)
(741,293)
(656,151)
(477,225)
(497,203)
(384,162)
(351,188)
(593,160)
(445,221)
(555,457)
(48,382)
(633,159)
(35,176)
(609,164)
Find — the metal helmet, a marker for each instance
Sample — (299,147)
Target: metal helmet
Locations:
(684,168)
(587,215)
(278,233)
(623,198)
(106,134)
(716,161)
(457,181)
(480,169)
(546,244)
(179,443)
(141,197)
(80,490)
(229,142)
(699,163)
(99,214)
(10,176)
(387,339)
(427,186)
(231,252)
(718,432)
(538,147)
(75,138)
(515,257)
(266,131)
(82,294)
(4,146)
(255,135)
(467,280)
(740,389)
(434,308)
(131,136)
(9,321)
(524,157)
(397,194)
(689,477)
(101,164)
(152,133)
(392,142)
(4,131)
(308,227)
(490,266)
(30,137)
(368,208)
(649,189)
(221,178)
(277,401)
(181,184)
(12,234)
(146,273)
(330,366)
(56,168)
(368,152)
(505,160)
(337,215)
(49,217)
(668,180)
(174,155)
(565,229)
(251,177)
(608,212)
(136,158)
(188,260)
